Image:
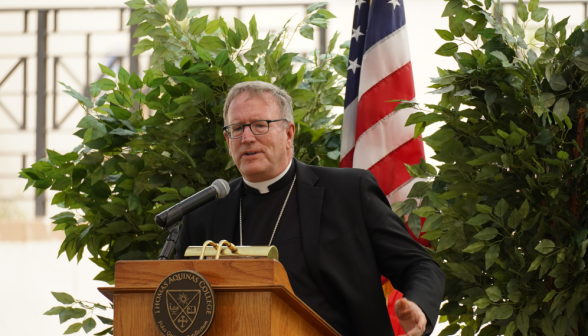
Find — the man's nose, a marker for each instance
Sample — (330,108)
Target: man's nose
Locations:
(248,135)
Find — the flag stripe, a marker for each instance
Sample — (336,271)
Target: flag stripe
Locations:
(349,119)
(373,106)
(384,59)
(391,172)
(382,138)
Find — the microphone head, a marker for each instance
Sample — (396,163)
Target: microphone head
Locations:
(222,188)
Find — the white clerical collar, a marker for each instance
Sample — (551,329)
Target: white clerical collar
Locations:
(262,187)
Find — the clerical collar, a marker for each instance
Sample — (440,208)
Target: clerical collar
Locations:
(265,187)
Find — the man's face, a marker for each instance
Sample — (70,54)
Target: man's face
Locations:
(260,157)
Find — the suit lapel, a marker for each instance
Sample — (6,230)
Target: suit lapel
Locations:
(226,215)
(310,203)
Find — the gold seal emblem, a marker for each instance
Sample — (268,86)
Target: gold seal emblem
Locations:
(184,305)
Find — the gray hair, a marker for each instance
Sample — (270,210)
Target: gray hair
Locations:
(257,89)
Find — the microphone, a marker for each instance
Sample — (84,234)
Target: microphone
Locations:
(219,189)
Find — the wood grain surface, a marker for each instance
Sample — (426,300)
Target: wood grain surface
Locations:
(253,297)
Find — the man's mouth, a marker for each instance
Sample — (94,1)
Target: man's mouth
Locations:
(251,153)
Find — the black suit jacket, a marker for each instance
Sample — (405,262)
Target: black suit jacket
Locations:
(350,236)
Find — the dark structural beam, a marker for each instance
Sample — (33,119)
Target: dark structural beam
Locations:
(41,134)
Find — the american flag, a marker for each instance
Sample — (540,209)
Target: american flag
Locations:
(380,70)
(374,136)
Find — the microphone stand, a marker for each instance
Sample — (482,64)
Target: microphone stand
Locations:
(170,242)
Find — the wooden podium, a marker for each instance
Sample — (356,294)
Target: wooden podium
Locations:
(253,298)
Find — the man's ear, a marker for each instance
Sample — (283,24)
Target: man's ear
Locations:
(290,132)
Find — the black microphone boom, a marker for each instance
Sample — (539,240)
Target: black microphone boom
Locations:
(219,189)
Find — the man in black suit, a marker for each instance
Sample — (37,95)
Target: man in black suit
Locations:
(333,228)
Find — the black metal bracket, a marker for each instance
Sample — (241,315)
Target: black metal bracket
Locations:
(170,242)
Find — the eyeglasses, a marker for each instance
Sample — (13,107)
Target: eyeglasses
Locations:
(258,127)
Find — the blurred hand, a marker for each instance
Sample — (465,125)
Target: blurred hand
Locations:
(412,319)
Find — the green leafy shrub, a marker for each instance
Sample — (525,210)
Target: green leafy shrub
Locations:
(506,211)
(133,163)
(76,309)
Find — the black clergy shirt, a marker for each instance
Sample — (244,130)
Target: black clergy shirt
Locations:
(260,213)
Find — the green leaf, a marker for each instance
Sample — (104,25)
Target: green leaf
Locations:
(545,246)
(514,219)
(561,108)
(74,328)
(547,98)
(492,140)
(475,247)
(301,96)
(315,6)
(500,56)
(522,322)
(326,13)
(187,191)
(544,138)
(69,313)
(524,210)
(533,4)
(486,234)
(241,28)
(425,211)
(63,297)
(142,46)
(450,330)
(54,310)
(482,303)
(522,11)
(123,76)
(202,53)
(212,43)
(504,311)
(446,240)
(536,263)
(557,82)
(253,28)
(479,219)
(492,255)
(135,4)
(198,25)
(307,31)
(432,223)
(105,320)
(501,208)
(180,10)
(89,324)
(448,49)
(494,293)
(105,70)
(432,235)
(484,208)
(414,223)
(550,296)
(445,34)
(135,82)
(452,8)
(143,29)
(539,14)
(106,84)
(212,26)
(581,61)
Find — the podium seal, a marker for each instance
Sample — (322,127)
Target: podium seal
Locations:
(184,305)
